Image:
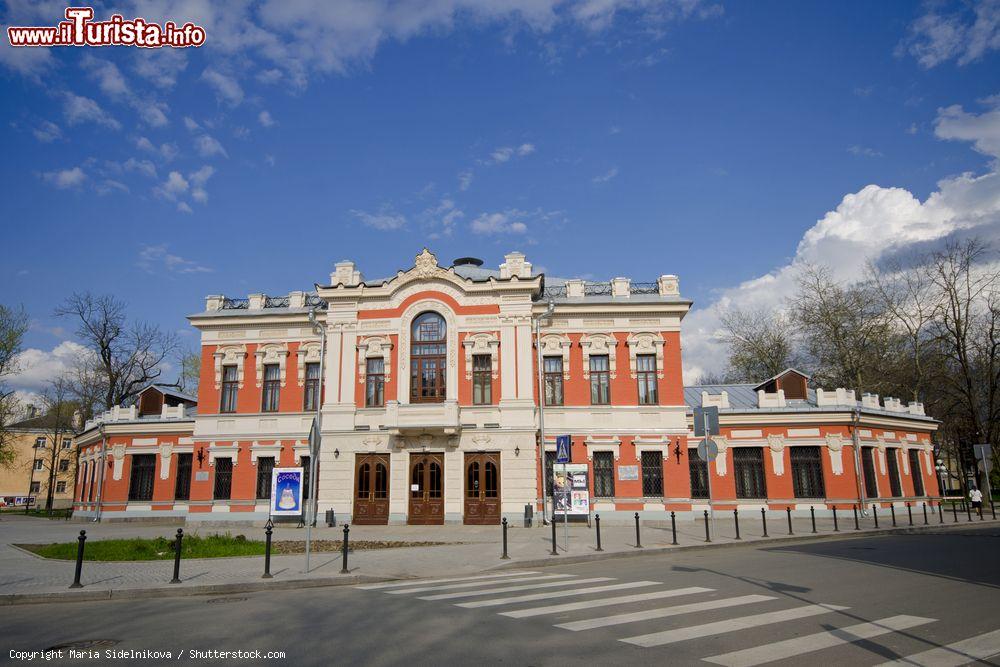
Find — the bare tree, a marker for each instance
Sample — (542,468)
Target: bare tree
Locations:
(59,420)
(129,354)
(13,325)
(190,372)
(761,344)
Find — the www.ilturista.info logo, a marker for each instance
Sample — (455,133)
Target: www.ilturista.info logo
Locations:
(80,30)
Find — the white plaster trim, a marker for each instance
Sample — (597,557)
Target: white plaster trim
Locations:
(230,355)
(118,454)
(374,347)
(599,344)
(307,353)
(223,452)
(645,343)
(406,323)
(271,353)
(663,449)
(612,445)
(257,451)
(482,343)
(557,345)
(166,451)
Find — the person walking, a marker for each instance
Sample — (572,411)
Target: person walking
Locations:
(976,496)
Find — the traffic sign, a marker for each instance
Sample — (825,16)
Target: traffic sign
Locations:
(707,450)
(706,419)
(562,449)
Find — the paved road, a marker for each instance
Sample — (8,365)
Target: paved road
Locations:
(932,597)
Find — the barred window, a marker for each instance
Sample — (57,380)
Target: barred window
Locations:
(868,467)
(645,371)
(265,464)
(894,486)
(230,385)
(918,478)
(482,379)
(272,385)
(64,465)
(93,471)
(807,472)
(652,473)
(141,477)
(553,380)
(699,474)
(604,474)
(36,487)
(375,382)
(312,386)
(304,462)
(748,470)
(550,461)
(182,484)
(223,479)
(600,380)
(60,487)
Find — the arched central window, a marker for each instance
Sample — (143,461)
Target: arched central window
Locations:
(428,359)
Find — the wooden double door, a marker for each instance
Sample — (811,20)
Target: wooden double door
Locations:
(371,489)
(426,489)
(482,488)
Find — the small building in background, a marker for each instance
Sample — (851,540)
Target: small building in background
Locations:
(39,442)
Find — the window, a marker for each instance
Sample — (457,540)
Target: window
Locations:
(39,464)
(652,473)
(39,442)
(64,465)
(482,379)
(918,478)
(375,382)
(550,462)
(748,470)
(600,380)
(807,472)
(699,474)
(223,479)
(868,465)
(312,386)
(272,385)
(140,485)
(553,367)
(304,462)
(36,487)
(604,474)
(265,464)
(894,487)
(93,472)
(428,365)
(230,385)
(67,443)
(182,484)
(83,480)
(60,487)
(645,372)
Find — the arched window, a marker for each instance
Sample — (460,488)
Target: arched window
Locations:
(428,358)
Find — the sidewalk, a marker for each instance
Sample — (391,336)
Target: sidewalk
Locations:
(25,577)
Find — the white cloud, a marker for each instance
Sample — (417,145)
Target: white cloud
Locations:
(441,219)
(863,151)
(47,132)
(157,259)
(110,186)
(505,222)
(65,178)
(983,130)
(184,207)
(78,109)
(227,89)
(265,118)
(964,35)
(172,188)
(465,179)
(39,367)
(209,146)
(501,155)
(109,78)
(159,66)
(31,63)
(198,179)
(385,219)
(142,166)
(525,149)
(606,176)
(191,124)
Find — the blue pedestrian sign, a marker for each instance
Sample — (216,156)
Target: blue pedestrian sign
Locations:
(562,449)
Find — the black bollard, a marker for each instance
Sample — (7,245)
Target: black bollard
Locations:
(788,510)
(597,524)
(504,524)
(968,509)
(909,512)
(857,526)
(993,509)
(892,510)
(638,542)
(980,511)
(343,550)
(177,557)
(941,511)
(875,514)
(553,522)
(736,519)
(79,561)
(268,529)
(836,527)
(924,507)
(954,510)
(763,520)
(673,527)
(812,515)
(708,537)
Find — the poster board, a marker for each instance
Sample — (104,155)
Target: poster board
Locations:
(572,491)
(286,492)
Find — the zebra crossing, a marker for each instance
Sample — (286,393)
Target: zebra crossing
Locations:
(517,589)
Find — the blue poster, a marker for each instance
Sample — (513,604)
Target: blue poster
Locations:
(286,491)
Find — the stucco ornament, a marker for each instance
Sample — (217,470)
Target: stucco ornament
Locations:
(308,353)
(166,450)
(425,265)
(374,347)
(720,460)
(230,355)
(482,343)
(645,343)
(880,448)
(776,444)
(118,454)
(271,353)
(835,446)
(597,345)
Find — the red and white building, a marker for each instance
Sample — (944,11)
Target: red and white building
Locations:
(429,403)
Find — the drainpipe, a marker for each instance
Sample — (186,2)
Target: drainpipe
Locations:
(541,401)
(100,486)
(855,420)
(314,455)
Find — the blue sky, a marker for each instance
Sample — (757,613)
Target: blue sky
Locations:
(724,142)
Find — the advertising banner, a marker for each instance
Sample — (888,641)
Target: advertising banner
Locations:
(571,489)
(286,491)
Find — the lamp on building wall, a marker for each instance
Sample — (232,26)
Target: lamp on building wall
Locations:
(517,451)
(677,450)
(336,453)
(201,456)
(941,470)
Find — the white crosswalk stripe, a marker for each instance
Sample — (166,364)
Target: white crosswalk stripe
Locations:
(662,612)
(732,625)
(473,584)
(419,582)
(560,594)
(791,648)
(603,602)
(515,589)
(980,647)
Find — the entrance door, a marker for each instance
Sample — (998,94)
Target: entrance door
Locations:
(482,488)
(371,489)
(426,489)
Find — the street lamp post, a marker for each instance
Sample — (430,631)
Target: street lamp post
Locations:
(313,506)
(541,402)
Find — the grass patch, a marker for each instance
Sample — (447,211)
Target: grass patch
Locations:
(53,514)
(196,546)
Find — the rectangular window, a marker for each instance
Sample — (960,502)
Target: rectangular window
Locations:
(67,443)
(482,379)
(223,479)
(93,473)
(868,467)
(182,485)
(304,462)
(645,372)
(604,474)
(140,486)
(748,470)
(894,486)
(60,487)
(36,487)
(375,382)
(230,385)
(39,464)
(272,385)
(312,387)
(699,474)
(550,462)
(64,465)
(652,474)
(807,472)
(600,380)
(39,442)
(265,464)
(918,478)
(553,367)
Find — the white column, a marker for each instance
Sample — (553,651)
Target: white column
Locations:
(525,376)
(508,385)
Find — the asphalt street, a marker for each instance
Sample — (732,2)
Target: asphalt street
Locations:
(932,598)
